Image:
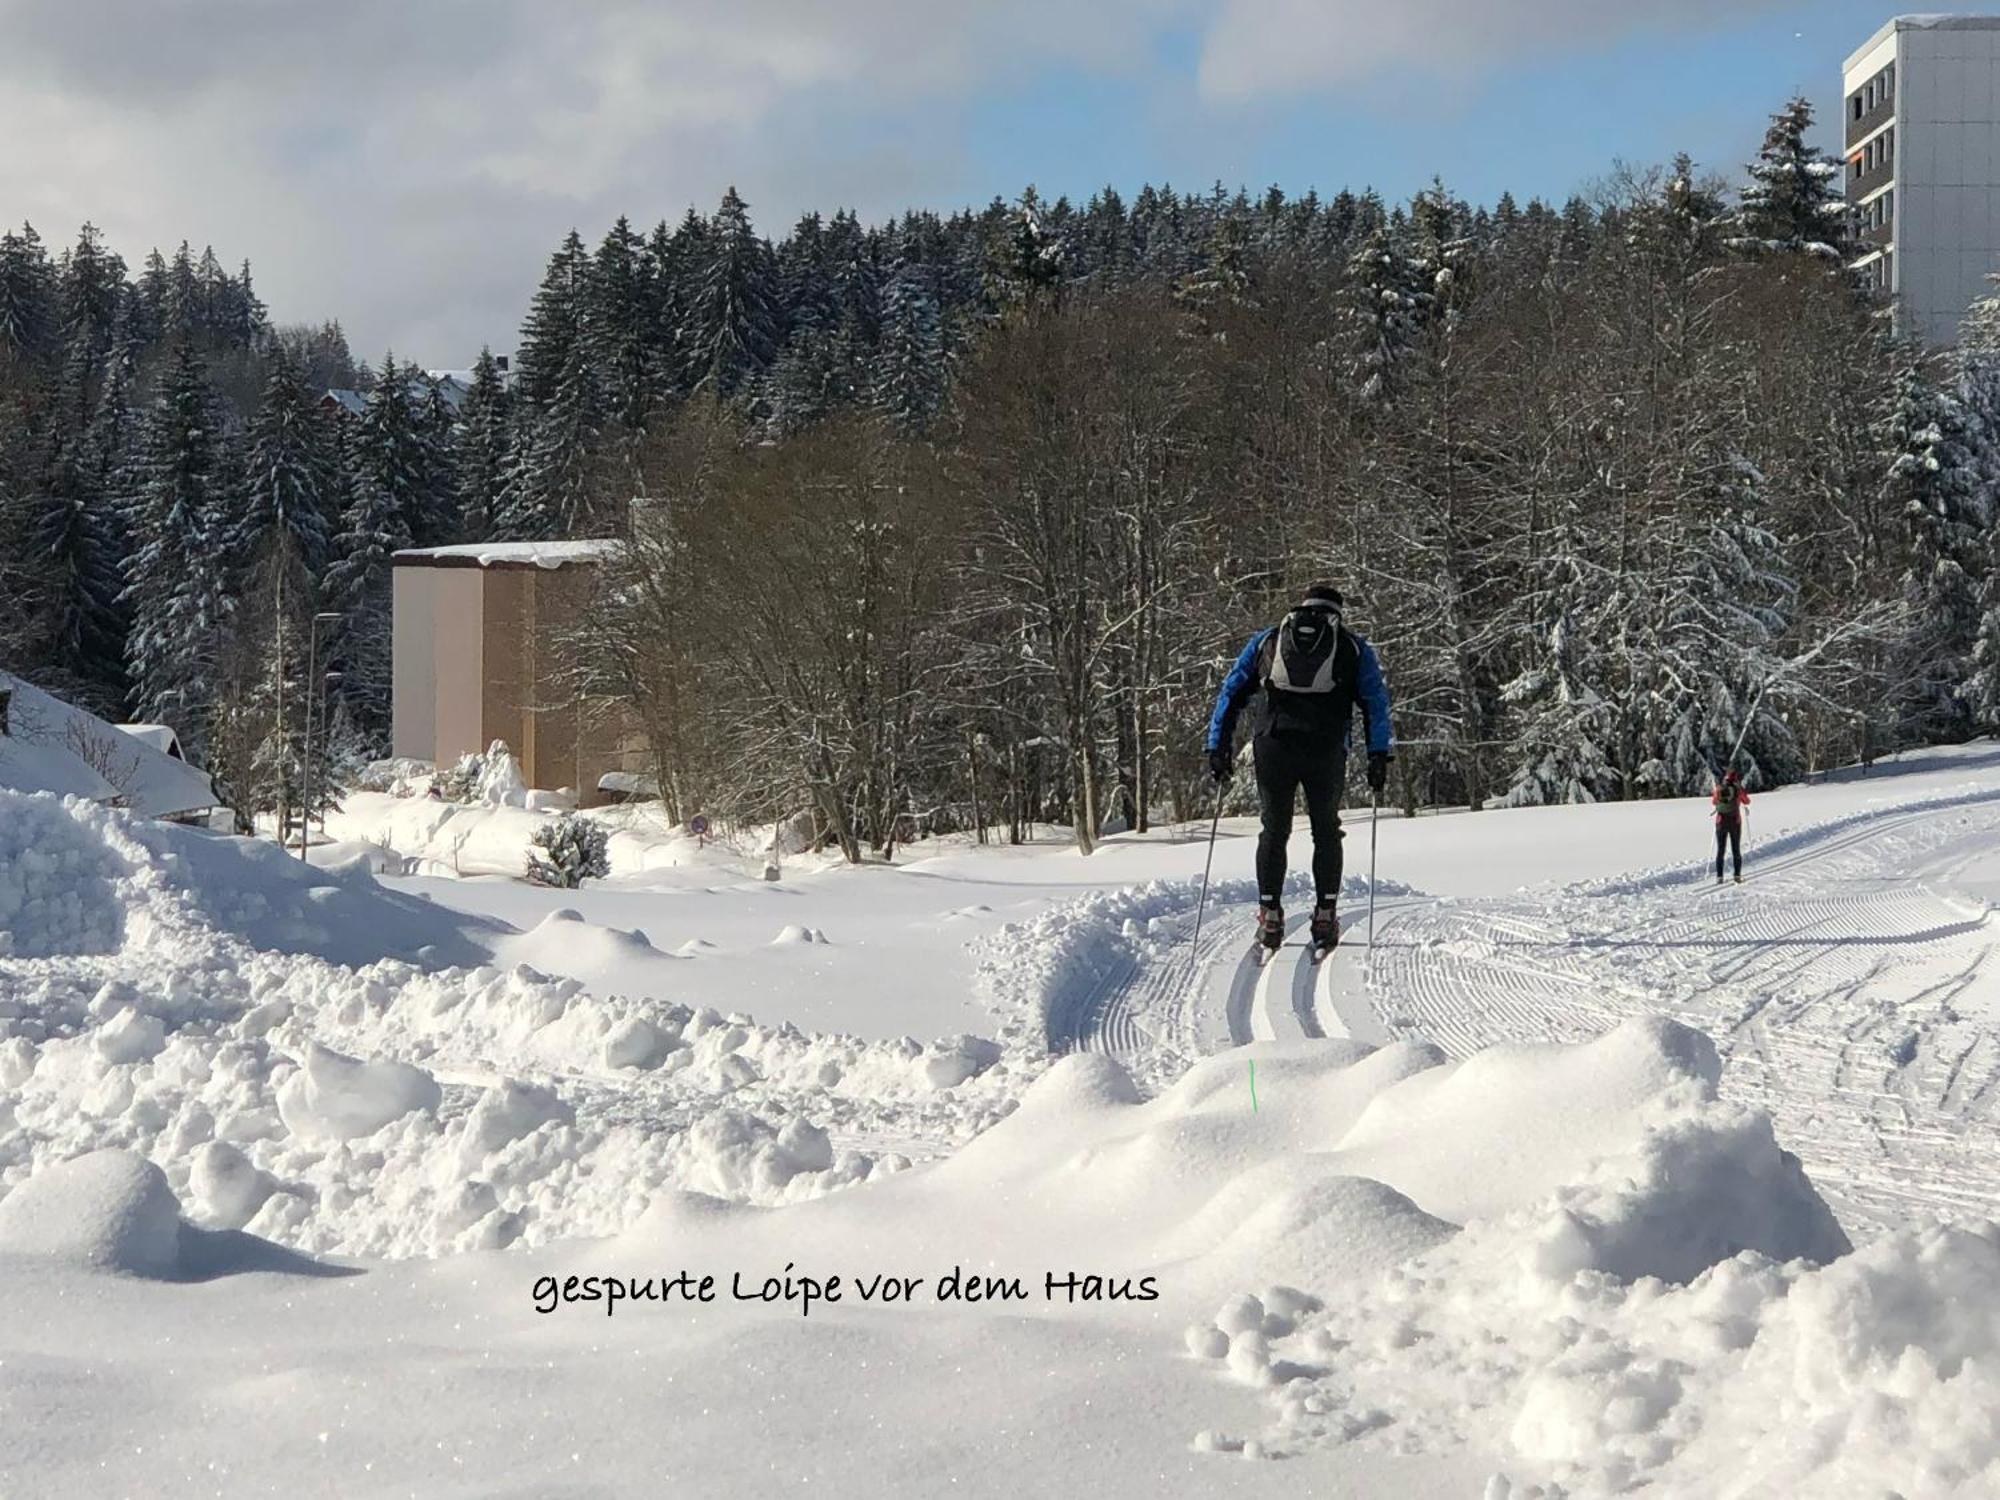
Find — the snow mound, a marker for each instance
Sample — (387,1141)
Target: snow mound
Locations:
(77,879)
(1627,1236)
(108,1210)
(56,874)
(338,1098)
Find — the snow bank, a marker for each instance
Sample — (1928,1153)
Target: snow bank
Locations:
(109,1210)
(1634,1252)
(492,837)
(185,1001)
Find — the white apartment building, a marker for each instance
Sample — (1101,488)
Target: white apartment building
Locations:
(1922,132)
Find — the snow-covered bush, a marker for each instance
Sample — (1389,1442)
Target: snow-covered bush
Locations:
(460,783)
(500,782)
(573,850)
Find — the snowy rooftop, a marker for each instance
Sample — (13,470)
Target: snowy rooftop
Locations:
(53,746)
(160,736)
(508,554)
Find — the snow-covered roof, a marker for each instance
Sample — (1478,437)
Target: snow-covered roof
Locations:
(53,746)
(160,736)
(351,402)
(29,766)
(452,389)
(509,554)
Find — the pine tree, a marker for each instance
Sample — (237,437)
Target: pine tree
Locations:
(549,492)
(483,449)
(1729,599)
(907,373)
(1935,484)
(289,506)
(732,325)
(374,528)
(28,312)
(1025,262)
(175,582)
(677,260)
(615,303)
(1223,279)
(1791,205)
(393,458)
(1386,303)
(92,292)
(180,299)
(554,330)
(812,379)
(439,520)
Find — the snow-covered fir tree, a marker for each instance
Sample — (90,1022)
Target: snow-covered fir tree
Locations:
(617,297)
(813,378)
(907,373)
(549,492)
(483,435)
(176,582)
(1383,317)
(1935,486)
(392,452)
(553,331)
(289,494)
(436,422)
(373,529)
(29,319)
(731,326)
(1792,203)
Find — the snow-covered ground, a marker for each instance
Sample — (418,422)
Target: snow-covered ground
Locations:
(1550,1189)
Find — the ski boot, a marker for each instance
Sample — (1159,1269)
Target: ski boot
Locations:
(1325,930)
(1270,930)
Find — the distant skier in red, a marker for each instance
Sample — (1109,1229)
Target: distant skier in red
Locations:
(1730,802)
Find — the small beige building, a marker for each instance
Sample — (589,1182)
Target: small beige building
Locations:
(478,657)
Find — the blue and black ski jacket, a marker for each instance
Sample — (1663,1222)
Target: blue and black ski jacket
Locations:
(1327,717)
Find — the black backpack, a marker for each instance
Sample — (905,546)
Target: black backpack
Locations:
(1725,798)
(1303,652)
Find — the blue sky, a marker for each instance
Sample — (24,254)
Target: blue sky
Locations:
(407,168)
(1547,124)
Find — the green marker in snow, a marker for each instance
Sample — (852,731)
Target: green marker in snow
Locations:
(1253,1085)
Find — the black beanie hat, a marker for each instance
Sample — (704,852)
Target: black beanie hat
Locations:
(1323,594)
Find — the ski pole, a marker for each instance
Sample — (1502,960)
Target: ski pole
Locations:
(1374,828)
(1194,948)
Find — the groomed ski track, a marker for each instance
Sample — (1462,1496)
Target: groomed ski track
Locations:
(1849,988)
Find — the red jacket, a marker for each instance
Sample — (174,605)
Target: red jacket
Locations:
(1742,801)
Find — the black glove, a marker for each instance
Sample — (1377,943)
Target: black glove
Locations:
(1221,765)
(1378,770)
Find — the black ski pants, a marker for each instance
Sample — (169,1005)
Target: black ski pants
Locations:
(1729,835)
(1285,767)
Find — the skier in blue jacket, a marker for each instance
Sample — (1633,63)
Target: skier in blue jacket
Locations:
(1302,679)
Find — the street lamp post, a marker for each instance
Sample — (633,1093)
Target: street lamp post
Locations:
(314,694)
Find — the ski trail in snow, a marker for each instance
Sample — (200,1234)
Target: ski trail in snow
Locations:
(1854,995)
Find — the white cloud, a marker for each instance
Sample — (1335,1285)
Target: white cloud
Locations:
(408,167)
(1260,48)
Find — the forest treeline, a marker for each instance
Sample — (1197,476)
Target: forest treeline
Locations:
(954,521)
